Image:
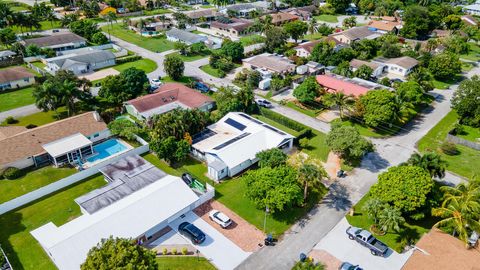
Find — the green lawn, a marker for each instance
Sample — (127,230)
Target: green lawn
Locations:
(144,64)
(473,54)
(23,251)
(466,163)
(184,80)
(12,99)
(327,18)
(317,146)
(470,133)
(10,189)
(39,64)
(154,44)
(41,118)
(190,58)
(467,66)
(211,71)
(445,84)
(313,36)
(310,111)
(411,230)
(158,11)
(251,39)
(184,263)
(45,25)
(369,132)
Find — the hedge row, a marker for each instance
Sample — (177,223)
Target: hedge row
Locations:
(127,59)
(303,131)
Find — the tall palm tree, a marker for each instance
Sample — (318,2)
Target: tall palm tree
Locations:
(309,175)
(46,97)
(312,27)
(341,101)
(373,207)
(430,161)
(402,108)
(111,17)
(6,15)
(50,16)
(390,218)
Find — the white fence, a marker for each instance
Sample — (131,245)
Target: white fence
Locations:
(67,181)
(209,194)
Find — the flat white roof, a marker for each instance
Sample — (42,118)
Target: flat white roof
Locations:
(66,144)
(163,109)
(130,217)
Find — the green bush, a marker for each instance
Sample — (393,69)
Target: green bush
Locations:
(449,148)
(1,174)
(30,126)
(303,142)
(184,251)
(174,251)
(164,251)
(12,173)
(282,120)
(10,120)
(128,59)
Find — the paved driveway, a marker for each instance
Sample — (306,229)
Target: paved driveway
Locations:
(222,252)
(337,243)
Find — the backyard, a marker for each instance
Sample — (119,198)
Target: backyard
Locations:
(313,36)
(473,54)
(31,181)
(41,118)
(466,163)
(251,39)
(410,231)
(23,251)
(327,18)
(12,99)
(190,58)
(154,44)
(44,25)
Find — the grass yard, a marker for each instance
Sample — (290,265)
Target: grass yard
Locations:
(184,263)
(144,64)
(317,146)
(466,163)
(157,11)
(190,58)
(23,251)
(39,64)
(184,80)
(313,36)
(327,18)
(446,83)
(467,66)
(470,133)
(310,111)
(211,71)
(154,44)
(31,181)
(412,230)
(42,118)
(12,99)
(45,25)
(473,54)
(251,39)
(368,132)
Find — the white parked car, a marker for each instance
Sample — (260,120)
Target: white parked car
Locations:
(220,218)
(264,103)
(155,82)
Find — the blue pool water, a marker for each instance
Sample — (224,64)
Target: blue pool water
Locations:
(106,149)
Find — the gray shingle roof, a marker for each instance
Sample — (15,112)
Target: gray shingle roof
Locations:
(186,36)
(91,56)
(56,39)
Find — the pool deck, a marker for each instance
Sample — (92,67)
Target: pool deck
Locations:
(89,164)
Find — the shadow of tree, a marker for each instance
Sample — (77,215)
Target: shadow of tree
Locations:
(11,224)
(337,197)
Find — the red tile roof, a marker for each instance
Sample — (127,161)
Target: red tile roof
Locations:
(333,84)
(169,93)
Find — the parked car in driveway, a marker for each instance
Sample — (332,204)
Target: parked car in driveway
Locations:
(349,266)
(264,103)
(191,231)
(155,82)
(366,239)
(220,218)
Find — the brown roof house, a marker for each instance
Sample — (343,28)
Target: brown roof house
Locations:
(57,42)
(231,27)
(355,34)
(400,66)
(15,77)
(60,142)
(376,67)
(440,251)
(306,48)
(168,97)
(386,26)
(282,18)
(270,63)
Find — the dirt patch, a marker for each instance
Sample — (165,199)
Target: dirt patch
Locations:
(240,232)
(328,115)
(330,262)
(100,74)
(332,165)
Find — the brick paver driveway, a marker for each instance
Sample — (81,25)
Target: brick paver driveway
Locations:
(242,233)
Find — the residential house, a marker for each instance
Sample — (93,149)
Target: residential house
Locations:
(355,34)
(142,214)
(230,145)
(154,28)
(376,67)
(7,54)
(106,10)
(439,250)
(386,27)
(57,42)
(66,140)
(303,13)
(400,66)
(178,35)
(272,63)
(15,77)
(305,49)
(281,18)
(204,15)
(81,61)
(231,27)
(472,9)
(194,2)
(166,98)
(246,10)
(354,87)
(470,20)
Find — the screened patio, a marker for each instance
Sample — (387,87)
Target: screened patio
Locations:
(72,149)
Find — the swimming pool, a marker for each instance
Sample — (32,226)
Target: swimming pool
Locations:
(105,149)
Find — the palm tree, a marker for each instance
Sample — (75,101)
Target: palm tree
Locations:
(68,93)
(373,207)
(309,175)
(341,101)
(308,265)
(46,97)
(390,218)
(111,17)
(312,27)
(50,16)
(68,19)
(430,161)
(402,108)
(6,15)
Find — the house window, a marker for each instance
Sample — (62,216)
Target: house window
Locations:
(26,79)
(96,135)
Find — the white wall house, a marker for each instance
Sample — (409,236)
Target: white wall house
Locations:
(472,9)
(81,61)
(400,66)
(230,145)
(15,77)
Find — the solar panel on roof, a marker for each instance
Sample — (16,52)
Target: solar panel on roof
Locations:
(235,124)
(205,134)
(241,136)
(275,130)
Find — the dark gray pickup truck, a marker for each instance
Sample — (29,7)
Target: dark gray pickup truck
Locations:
(366,239)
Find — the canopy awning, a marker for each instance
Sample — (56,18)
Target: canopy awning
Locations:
(66,145)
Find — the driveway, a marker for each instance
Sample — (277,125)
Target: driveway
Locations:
(222,252)
(337,244)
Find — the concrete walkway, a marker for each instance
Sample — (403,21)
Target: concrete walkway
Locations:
(19,112)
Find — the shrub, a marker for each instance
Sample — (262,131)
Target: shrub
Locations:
(10,120)
(184,251)
(174,251)
(282,120)
(164,251)
(303,142)
(1,174)
(30,126)
(449,148)
(458,129)
(128,59)
(11,173)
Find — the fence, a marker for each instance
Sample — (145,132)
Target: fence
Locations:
(37,69)
(11,61)
(467,143)
(67,181)
(209,194)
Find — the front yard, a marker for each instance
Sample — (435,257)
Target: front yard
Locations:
(23,251)
(466,163)
(44,25)
(144,64)
(214,71)
(473,54)
(184,263)
(327,18)
(251,39)
(154,44)
(12,99)
(41,118)
(32,180)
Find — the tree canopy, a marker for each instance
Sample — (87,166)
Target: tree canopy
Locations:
(445,65)
(232,49)
(271,158)
(379,108)
(410,91)
(276,38)
(347,141)
(307,91)
(466,101)
(174,66)
(127,85)
(296,29)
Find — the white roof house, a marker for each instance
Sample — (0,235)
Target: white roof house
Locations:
(131,217)
(230,145)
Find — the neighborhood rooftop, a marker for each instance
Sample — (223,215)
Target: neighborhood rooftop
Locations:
(406,62)
(358,33)
(14,74)
(185,36)
(124,177)
(29,142)
(82,56)
(356,63)
(355,86)
(197,14)
(273,62)
(55,39)
(232,23)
